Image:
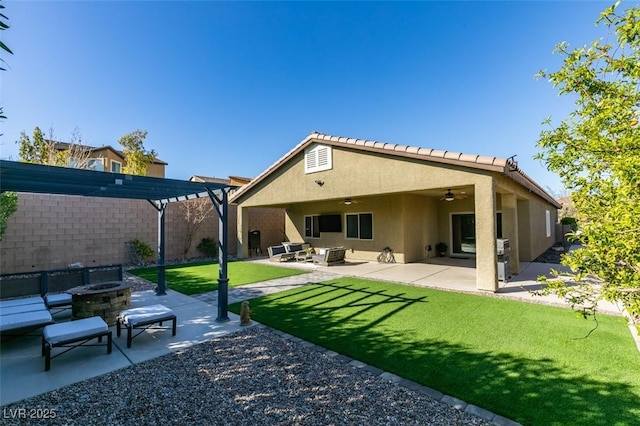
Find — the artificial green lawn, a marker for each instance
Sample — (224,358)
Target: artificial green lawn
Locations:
(528,362)
(196,278)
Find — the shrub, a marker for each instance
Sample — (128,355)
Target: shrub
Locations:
(139,251)
(568,220)
(208,247)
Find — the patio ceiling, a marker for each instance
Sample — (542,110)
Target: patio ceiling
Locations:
(37,178)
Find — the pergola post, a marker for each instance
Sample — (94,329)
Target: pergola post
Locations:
(222,208)
(161,207)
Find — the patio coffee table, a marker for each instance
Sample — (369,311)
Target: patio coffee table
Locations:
(303,256)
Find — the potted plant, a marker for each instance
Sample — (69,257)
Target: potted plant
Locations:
(441,249)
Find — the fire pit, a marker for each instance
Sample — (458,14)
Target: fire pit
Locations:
(106,300)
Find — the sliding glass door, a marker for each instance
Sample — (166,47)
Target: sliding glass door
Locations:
(463,233)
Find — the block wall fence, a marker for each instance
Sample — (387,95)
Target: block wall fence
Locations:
(52,231)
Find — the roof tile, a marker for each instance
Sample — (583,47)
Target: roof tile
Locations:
(452,155)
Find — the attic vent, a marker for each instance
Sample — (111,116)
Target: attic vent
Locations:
(317,158)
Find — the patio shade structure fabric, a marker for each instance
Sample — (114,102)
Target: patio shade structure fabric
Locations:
(37,178)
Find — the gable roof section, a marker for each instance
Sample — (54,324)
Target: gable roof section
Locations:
(508,167)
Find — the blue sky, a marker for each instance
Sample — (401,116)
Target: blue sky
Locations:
(227,88)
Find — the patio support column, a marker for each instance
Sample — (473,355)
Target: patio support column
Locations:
(221,205)
(242,233)
(510,230)
(486,257)
(161,207)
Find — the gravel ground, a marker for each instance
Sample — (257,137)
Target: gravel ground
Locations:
(253,377)
(552,255)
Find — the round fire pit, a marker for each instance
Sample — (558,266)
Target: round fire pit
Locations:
(106,300)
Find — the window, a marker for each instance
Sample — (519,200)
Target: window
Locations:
(116,167)
(317,158)
(360,226)
(312,226)
(548,217)
(95,164)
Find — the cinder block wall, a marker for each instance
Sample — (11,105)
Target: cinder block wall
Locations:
(53,231)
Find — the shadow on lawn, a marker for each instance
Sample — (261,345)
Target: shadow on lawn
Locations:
(530,391)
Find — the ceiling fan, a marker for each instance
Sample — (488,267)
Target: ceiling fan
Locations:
(450,196)
(349,201)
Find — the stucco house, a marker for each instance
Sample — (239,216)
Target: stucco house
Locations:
(108,159)
(366,195)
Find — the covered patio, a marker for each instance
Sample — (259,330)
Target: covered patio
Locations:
(365,195)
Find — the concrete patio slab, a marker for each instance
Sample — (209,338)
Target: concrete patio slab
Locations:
(22,366)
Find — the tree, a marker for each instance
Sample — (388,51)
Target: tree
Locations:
(195,213)
(8,206)
(8,200)
(41,150)
(137,158)
(3,26)
(596,152)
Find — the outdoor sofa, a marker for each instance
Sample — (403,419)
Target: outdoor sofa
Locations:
(286,251)
(329,256)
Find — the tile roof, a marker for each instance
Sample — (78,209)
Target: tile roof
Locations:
(63,146)
(507,166)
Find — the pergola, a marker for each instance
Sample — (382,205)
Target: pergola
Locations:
(159,192)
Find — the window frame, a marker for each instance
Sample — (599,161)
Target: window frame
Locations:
(96,161)
(548,222)
(359,226)
(313,154)
(119,165)
(314,223)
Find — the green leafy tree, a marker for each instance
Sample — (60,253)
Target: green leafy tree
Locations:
(596,152)
(8,206)
(35,149)
(8,200)
(137,157)
(4,47)
(39,149)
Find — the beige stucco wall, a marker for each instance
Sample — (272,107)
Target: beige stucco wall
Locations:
(404,222)
(404,195)
(354,174)
(407,222)
(53,231)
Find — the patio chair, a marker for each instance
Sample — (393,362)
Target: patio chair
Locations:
(331,256)
(280,254)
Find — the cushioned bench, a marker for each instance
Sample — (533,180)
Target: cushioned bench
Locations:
(11,310)
(59,301)
(144,318)
(73,334)
(24,313)
(20,302)
(25,320)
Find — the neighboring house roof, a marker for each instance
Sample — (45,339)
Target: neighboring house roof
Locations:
(64,146)
(234,180)
(506,166)
(197,178)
